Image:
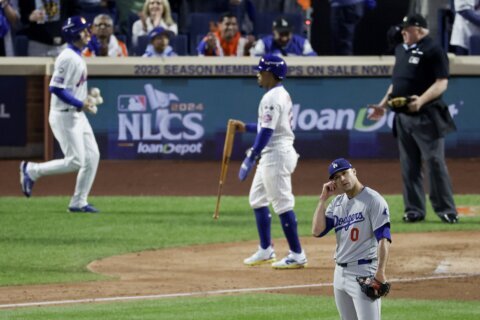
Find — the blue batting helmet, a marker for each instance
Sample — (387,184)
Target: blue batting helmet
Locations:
(72,27)
(273,64)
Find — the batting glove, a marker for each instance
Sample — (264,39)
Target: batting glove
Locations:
(247,164)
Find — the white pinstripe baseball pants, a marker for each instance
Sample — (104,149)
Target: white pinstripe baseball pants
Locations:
(77,141)
(272,182)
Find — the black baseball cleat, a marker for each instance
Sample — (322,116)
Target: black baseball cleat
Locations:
(449,218)
(411,217)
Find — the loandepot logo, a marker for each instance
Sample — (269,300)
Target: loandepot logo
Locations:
(344,119)
(168,126)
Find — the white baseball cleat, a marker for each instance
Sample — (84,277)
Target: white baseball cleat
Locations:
(261,256)
(292,261)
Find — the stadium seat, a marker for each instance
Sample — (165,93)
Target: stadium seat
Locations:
(21,46)
(139,49)
(180,44)
(474,45)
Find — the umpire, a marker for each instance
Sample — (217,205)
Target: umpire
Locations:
(422,119)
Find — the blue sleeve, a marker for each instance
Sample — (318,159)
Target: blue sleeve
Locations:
(201,47)
(66,97)
(328,227)
(383,232)
(251,127)
(261,140)
(471,16)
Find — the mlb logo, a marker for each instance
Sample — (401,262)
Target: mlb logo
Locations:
(132,103)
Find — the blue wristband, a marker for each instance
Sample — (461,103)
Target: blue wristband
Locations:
(66,97)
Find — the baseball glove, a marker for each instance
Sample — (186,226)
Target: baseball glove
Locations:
(373,288)
(399,104)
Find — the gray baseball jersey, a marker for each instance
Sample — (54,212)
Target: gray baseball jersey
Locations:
(355,221)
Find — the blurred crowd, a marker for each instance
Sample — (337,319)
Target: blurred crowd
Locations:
(163,28)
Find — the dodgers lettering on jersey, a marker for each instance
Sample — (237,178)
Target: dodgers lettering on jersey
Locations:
(355,221)
(70,73)
(275,112)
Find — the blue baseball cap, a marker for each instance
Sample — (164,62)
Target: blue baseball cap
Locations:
(158,31)
(338,165)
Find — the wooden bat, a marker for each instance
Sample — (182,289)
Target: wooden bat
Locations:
(227,152)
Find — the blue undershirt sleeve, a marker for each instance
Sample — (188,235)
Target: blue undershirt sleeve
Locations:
(261,140)
(383,232)
(471,16)
(328,227)
(66,97)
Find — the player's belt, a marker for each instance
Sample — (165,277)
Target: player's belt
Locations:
(355,263)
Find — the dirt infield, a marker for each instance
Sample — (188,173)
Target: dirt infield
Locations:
(444,266)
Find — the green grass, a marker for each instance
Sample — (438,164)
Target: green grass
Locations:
(246,307)
(41,243)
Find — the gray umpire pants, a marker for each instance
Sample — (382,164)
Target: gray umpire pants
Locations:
(417,141)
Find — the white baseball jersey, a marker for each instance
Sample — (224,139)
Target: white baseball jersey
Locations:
(70,73)
(272,183)
(71,129)
(463,29)
(275,112)
(355,221)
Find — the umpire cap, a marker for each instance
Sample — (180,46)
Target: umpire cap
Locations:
(338,165)
(414,20)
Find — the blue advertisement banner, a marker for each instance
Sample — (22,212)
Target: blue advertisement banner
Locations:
(185,118)
(13,116)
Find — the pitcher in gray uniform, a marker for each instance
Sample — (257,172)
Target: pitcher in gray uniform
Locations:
(361,220)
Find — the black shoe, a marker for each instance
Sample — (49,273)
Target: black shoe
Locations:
(411,217)
(449,218)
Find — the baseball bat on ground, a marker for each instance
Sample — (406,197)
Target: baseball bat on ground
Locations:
(227,152)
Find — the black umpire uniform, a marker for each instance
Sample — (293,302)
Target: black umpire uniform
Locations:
(420,135)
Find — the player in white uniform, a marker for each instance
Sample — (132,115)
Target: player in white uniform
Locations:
(69,123)
(272,181)
(465,25)
(361,221)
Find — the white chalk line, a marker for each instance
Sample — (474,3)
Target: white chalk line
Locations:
(216,292)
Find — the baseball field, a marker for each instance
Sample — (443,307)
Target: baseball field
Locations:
(154,252)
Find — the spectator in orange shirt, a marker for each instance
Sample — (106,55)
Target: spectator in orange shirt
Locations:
(226,41)
(103,42)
